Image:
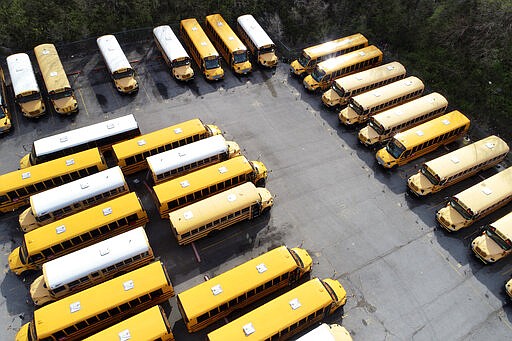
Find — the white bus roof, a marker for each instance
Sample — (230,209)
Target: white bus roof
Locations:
(215,207)
(324,332)
(112,53)
(75,137)
(384,93)
(410,110)
(375,74)
(487,192)
(255,32)
(64,270)
(469,156)
(169,43)
(22,74)
(75,191)
(187,154)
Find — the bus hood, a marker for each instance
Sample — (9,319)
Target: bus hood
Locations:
(508,288)
(25,161)
(310,83)
(348,116)
(27,220)
(126,84)
(268,59)
(266,198)
(368,136)
(487,249)
(22,334)
(339,291)
(419,184)
(243,68)
(33,108)
(331,98)
(450,219)
(15,263)
(39,294)
(183,72)
(385,159)
(65,105)
(304,257)
(233,149)
(297,68)
(214,130)
(215,74)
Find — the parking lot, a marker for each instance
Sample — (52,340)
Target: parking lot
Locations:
(405,278)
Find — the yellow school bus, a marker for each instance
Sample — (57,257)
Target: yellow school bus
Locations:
(361,107)
(75,196)
(87,312)
(193,156)
(217,212)
(151,324)
(98,263)
(77,231)
(313,55)
(118,66)
(458,165)
(495,242)
(227,42)
(476,202)
(200,184)
(326,72)
(17,187)
(425,138)
(60,93)
(348,86)
(384,125)
(5,115)
(24,84)
(131,155)
(214,299)
(202,50)
(257,40)
(173,53)
(287,314)
(101,135)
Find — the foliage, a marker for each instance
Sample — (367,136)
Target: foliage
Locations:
(461,48)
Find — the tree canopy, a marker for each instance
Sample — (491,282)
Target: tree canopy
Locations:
(462,49)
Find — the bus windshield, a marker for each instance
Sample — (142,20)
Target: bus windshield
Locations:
(497,239)
(457,207)
(377,127)
(431,177)
(304,59)
(23,253)
(339,90)
(123,74)
(394,148)
(240,57)
(356,107)
(2,112)
(34,96)
(267,49)
(318,75)
(181,62)
(62,94)
(211,63)
(297,258)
